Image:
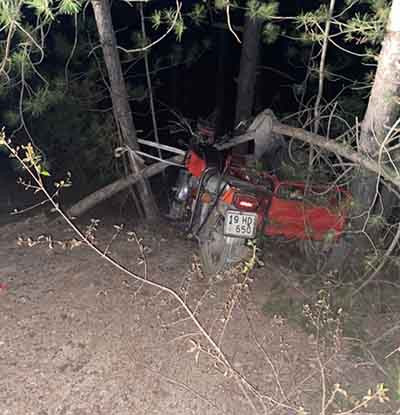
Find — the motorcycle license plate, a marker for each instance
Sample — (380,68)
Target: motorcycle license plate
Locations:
(240,224)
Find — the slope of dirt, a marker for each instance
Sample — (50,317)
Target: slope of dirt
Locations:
(78,336)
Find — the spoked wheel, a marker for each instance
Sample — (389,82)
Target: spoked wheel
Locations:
(214,246)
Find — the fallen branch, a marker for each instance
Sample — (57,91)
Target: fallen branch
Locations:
(339,149)
(265,127)
(113,188)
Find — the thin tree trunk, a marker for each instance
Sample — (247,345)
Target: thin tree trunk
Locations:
(248,70)
(321,79)
(321,71)
(149,83)
(381,114)
(119,96)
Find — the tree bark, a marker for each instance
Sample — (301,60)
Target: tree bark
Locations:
(119,96)
(111,189)
(381,114)
(248,70)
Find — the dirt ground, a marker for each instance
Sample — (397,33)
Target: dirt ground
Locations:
(78,336)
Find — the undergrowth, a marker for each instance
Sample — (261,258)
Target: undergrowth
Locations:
(328,312)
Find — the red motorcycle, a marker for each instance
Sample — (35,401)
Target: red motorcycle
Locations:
(227,202)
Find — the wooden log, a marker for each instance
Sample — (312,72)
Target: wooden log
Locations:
(113,188)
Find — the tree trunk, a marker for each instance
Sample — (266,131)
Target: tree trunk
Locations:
(111,189)
(119,96)
(248,70)
(381,114)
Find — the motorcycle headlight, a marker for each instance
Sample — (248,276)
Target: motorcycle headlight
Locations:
(182,186)
(183,192)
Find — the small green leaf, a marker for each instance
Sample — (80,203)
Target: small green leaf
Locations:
(41,8)
(10,11)
(270,33)
(156,19)
(260,10)
(70,7)
(179,28)
(221,4)
(198,14)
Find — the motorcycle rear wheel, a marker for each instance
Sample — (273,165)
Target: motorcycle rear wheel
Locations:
(214,246)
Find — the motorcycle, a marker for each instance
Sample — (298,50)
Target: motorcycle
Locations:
(226,201)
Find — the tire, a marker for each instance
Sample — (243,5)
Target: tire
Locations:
(217,251)
(214,247)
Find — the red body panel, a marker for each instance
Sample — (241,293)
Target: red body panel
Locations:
(195,164)
(297,220)
(316,213)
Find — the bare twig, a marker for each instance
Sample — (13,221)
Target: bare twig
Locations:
(321,78)
(170,29)
(386,256)
(228,19)
(149,84)
(232,302)
(321,72)
(7,49)
(267,358)
(72,50)
(184,386)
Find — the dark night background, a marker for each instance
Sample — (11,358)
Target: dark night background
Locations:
(76,131)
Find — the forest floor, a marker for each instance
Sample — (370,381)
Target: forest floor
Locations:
(78,336)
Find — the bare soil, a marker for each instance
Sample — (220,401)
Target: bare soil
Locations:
(78,336)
